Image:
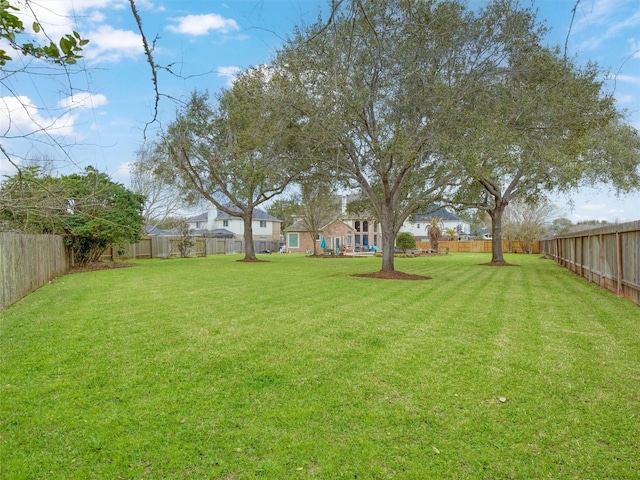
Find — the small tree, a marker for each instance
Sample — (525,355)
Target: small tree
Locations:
(186,242)
(405,241)
(286,209)
(162,199)
(525,222)
(319,207)
(434,230)
(560,226)
(452,233)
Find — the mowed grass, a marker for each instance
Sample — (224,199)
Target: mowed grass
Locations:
(293,368)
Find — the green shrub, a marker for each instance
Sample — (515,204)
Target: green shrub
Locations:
(405,241)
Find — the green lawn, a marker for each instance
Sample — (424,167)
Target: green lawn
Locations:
(294,368)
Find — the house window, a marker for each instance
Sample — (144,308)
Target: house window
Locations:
(365,226)
(318,237)
(225,223)
(349,238)
(356,225)
(263,223)
(357,240)
(293,240)
(417,225)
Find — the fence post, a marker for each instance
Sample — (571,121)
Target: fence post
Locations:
(619,259)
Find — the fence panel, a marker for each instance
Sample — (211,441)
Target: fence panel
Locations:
(608,256)
(27,262)
(476,246)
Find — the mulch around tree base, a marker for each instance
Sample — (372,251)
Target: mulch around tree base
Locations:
(392,275)
(499,264)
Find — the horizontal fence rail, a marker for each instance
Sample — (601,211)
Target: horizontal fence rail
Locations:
(477,246)
(608,256)
(27,262)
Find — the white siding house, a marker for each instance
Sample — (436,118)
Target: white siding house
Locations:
(266,228)
(416,224)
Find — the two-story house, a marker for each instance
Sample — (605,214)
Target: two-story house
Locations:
(266,228)
(417,224)
(352,232)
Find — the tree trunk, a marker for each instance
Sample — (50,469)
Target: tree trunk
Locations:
(388,244)
(249,250)
(496,233)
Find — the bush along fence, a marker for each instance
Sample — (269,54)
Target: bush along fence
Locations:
(608,256)
(27,262)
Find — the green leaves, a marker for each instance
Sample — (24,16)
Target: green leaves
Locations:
(65,52)
(89,209)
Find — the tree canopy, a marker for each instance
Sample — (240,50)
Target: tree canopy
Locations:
(535,123)
(88,209)
(235,153)
(374,82)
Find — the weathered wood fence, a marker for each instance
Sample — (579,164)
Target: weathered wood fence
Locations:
(477,246)
(156,246)
(27,262)
(166,246)
(608,256)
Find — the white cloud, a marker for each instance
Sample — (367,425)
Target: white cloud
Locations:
(600,20)
(594,207)
(110,45)
(123,171)
(628,79)
(84,100)
(203,24)
(230,73)
(20,117)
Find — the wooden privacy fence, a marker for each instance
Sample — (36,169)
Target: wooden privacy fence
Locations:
(477,246)
(166,246)
(608,256)
(27,262)
(156,246)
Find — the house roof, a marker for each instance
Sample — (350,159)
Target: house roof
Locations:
(202,217)
(299,225)
(151,230)
(258,214)
(443,213)
(218,233)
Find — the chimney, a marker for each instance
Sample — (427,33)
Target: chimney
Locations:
(212,214)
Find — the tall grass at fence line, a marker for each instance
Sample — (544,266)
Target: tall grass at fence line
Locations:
(294,368)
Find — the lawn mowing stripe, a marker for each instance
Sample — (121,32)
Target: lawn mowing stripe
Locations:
(193,378)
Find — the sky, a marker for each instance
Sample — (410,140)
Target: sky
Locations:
(100,111)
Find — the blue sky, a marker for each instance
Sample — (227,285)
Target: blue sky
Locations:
(95,113)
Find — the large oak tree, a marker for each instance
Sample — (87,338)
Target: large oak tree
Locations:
(235,152)
(375,83)
(537,123)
